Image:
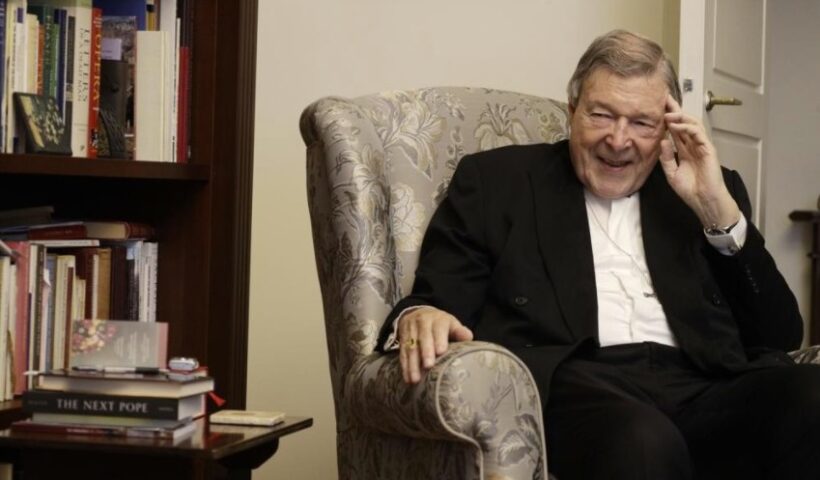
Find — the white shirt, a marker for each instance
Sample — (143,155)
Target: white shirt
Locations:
(628,309)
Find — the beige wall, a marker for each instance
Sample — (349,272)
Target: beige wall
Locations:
(793,151)
(307,50)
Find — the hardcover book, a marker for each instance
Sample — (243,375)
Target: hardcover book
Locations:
(161,385)
(179,431)
(43,122)
(74,405)
(105,230)
(118,343)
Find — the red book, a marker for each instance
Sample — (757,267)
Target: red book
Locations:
(22,257)
(111,230)
(94,87)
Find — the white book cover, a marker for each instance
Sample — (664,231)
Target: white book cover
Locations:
(32,52)
(150,129)
(168,23)
(66,266)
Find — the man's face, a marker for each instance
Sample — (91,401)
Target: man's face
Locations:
(616,131)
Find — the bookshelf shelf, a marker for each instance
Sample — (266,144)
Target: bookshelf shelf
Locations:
(99,167)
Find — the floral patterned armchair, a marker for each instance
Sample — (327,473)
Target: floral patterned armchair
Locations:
(377,167)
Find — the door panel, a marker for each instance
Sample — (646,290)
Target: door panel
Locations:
(722,50)
(739,40)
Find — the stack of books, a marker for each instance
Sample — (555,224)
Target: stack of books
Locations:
(160,405)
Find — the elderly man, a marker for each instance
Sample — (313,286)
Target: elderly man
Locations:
(623,269)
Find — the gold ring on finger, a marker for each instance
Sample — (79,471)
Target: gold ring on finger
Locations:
(411,343)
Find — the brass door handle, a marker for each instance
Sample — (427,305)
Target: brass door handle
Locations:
(712,100)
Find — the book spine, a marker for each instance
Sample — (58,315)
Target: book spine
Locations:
(139,230)
(149,96)
(49,293)
(36,319)
(41,51)
(182,111)
(70,79)
(61,23)
(71,429)
(95,60)
(3,88)
(5,306)
(62,232)
(82,74)
(39,401)
(23,250)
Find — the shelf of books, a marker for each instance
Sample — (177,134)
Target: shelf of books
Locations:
(126,159)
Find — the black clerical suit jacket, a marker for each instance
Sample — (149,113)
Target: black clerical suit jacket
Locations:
(508,253)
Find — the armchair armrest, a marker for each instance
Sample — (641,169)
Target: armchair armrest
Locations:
(477,392)
(806,355)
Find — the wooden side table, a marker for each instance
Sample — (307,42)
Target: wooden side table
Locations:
(813,217)
(214,452)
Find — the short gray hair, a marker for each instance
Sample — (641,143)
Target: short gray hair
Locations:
(625,54)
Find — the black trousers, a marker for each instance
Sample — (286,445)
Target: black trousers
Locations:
(642,411)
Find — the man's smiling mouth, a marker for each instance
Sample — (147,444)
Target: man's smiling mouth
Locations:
(614,163)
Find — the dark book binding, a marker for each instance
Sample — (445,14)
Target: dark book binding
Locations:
(36,401)
(158,433)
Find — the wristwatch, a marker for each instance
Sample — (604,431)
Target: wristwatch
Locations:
(715,230)
(723,239)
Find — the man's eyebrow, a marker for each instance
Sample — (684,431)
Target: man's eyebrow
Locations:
(638,116)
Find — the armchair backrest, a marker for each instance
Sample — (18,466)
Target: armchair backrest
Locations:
(377,167)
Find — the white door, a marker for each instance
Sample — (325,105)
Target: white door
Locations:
(722,50)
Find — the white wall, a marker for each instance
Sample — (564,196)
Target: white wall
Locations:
(307,50)
(793,163)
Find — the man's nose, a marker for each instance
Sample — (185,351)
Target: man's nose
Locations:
(619,138)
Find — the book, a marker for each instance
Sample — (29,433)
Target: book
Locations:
(73,404)
(128,384)
(104,230)
(78,70)
(6,295)
(26,216)
(43,124)
(103,421)
(3,87)
(248,417)
(94,123)
(150,93)
(23,296)
(118,343)
(68,243)
(180,431)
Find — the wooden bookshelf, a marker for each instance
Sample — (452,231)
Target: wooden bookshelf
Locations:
(813,218)
(201,209)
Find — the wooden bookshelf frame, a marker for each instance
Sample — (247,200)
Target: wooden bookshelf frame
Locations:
(201,209)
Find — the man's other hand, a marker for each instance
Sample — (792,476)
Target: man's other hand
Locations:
(424,335)
(695,173)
